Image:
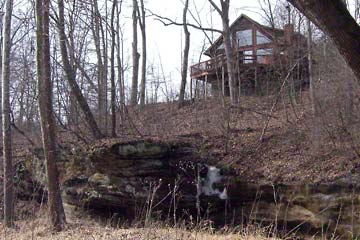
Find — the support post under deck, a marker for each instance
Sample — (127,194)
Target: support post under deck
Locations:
(191,89)
(205,90)
(223,80)
(256,79)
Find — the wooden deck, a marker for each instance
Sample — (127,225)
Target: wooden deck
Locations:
(214,65)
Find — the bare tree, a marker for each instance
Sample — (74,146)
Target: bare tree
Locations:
(135,56)
(112,70)
(335,20)
(185,59)
(47,121)
(310,69)
(71,76)
(142,25)
(119,58)
(99,40)
(267,8)
(6,126)
(357,10)
(230,61)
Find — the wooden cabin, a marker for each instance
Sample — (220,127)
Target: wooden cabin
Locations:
(263,54)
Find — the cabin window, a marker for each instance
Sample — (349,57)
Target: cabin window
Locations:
(263,55)
(221,47)
(244,38)
(261,38)
(248,56)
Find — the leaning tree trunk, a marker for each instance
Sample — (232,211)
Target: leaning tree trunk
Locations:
(47,121)
(70,75)
(356,10)
(6,125)
(335,20)
(185,59)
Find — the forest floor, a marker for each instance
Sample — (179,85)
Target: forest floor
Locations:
(37,228)
(295,147)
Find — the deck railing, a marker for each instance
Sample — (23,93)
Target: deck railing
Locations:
(212,65)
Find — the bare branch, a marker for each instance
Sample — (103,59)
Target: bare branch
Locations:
(167,22)
(216,7)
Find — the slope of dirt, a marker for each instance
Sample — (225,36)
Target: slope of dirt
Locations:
(292,150)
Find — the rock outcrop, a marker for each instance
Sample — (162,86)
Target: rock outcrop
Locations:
(123,176)
(142,177)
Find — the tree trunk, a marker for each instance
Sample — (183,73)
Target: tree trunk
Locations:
(103,86)
(230,63)
(143,64)
(119,57)
(185,59)
(356,11)
(112,71)
(47,120)
(6,125)
(335,20)
(310,69)
(101,70)
(70,75)
(135,56)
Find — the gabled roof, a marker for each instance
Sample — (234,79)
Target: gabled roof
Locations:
(243,17)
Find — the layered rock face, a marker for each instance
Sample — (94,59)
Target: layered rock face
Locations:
(142,177)
(323,209)
(125,176)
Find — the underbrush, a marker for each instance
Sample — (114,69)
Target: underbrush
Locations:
(38,228)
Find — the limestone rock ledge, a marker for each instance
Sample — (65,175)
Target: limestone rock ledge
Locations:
(131,177)
(121,176)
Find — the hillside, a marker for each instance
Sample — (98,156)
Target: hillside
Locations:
(294,149)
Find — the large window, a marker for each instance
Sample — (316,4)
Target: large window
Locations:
(244,38)
(222,47)
(261,38)
(263,55)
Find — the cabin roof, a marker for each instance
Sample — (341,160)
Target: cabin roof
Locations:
(270,30)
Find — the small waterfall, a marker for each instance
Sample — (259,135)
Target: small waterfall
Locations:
(213,176)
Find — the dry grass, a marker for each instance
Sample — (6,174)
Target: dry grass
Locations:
(90,230)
